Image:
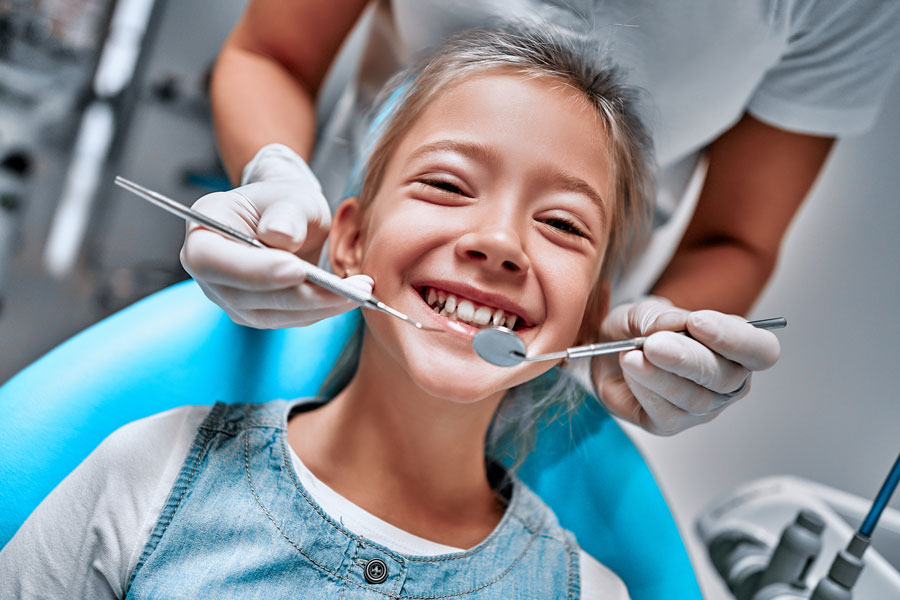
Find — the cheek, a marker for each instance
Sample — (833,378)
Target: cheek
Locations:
(414,237)
(567,282)
(397,237)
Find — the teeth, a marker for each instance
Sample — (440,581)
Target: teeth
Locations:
(465,310)
(448,305)
(482,315)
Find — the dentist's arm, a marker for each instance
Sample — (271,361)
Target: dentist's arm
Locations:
(757,178)
(263,94)
(269,72)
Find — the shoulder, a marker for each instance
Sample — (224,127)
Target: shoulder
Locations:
(166,424)
(127,478)
(835,69)
(799,13)
(150,442)
(85,536)
(597,581)
(823,25)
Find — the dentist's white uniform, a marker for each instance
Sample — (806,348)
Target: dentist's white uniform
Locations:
(810,66)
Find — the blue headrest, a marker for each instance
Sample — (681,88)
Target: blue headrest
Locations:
(177,348)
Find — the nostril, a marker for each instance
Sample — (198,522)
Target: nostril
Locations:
(510,266)
(476,254)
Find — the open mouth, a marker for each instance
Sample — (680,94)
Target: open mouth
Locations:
(459,308)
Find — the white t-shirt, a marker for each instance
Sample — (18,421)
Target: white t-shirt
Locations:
(85,538)
(810,66)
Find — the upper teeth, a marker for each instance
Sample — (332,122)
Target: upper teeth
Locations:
(450,306)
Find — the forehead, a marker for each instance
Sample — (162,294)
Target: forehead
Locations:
(503,119)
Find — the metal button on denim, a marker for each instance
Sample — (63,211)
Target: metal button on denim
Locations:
(376,571)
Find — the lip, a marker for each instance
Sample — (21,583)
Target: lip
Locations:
(461,328)
(486,298)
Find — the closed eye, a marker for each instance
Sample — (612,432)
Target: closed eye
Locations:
(442,185)
(564,225)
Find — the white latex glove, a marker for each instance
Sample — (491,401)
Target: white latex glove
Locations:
(279,202)
(676,382)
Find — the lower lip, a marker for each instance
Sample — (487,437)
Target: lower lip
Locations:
(457,327)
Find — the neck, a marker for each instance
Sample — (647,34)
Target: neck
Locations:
(410,458)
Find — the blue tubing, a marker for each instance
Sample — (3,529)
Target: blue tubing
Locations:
(881,500)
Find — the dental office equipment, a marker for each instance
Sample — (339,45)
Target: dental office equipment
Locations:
(848,563)
(314,274)
(502,347)
(740,532)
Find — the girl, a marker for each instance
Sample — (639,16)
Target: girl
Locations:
(507,179)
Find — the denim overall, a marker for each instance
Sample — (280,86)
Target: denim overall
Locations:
(238,524)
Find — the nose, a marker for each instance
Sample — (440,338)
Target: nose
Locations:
(497,246)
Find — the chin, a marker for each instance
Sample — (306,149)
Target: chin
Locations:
(464,380)
(445,367)
(453,388)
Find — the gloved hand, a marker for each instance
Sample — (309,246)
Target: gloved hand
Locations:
(676,382)
(279,202)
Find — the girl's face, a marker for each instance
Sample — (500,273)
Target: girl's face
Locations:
(497,200)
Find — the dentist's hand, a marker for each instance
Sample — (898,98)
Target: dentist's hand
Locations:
(280,202)
(676,382)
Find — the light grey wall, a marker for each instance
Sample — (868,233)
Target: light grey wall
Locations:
(829,411)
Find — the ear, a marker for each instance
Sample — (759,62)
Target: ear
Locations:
(345,248)
(595,311)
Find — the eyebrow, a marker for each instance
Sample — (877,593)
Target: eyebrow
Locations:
(473,150)
(479,152)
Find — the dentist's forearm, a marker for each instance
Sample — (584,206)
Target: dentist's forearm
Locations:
(722,276)
(256,102)
(269,72)
(757,179)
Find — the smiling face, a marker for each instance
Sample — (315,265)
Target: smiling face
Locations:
(494,208)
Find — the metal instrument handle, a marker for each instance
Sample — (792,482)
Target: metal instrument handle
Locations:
(638,342)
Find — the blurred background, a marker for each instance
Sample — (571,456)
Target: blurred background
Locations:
(74,112)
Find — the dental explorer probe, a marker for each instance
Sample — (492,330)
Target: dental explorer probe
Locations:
(314,274)
(502,347)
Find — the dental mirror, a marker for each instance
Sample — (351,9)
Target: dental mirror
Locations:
(499,346)
(502,347)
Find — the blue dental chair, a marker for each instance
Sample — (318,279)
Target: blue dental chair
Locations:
(176,348)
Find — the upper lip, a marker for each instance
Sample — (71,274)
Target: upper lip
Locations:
(482,297)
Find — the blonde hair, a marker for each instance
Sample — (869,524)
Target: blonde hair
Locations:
(533,50)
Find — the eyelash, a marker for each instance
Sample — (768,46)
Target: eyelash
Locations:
(561,223)
(565,225)
(443,186)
